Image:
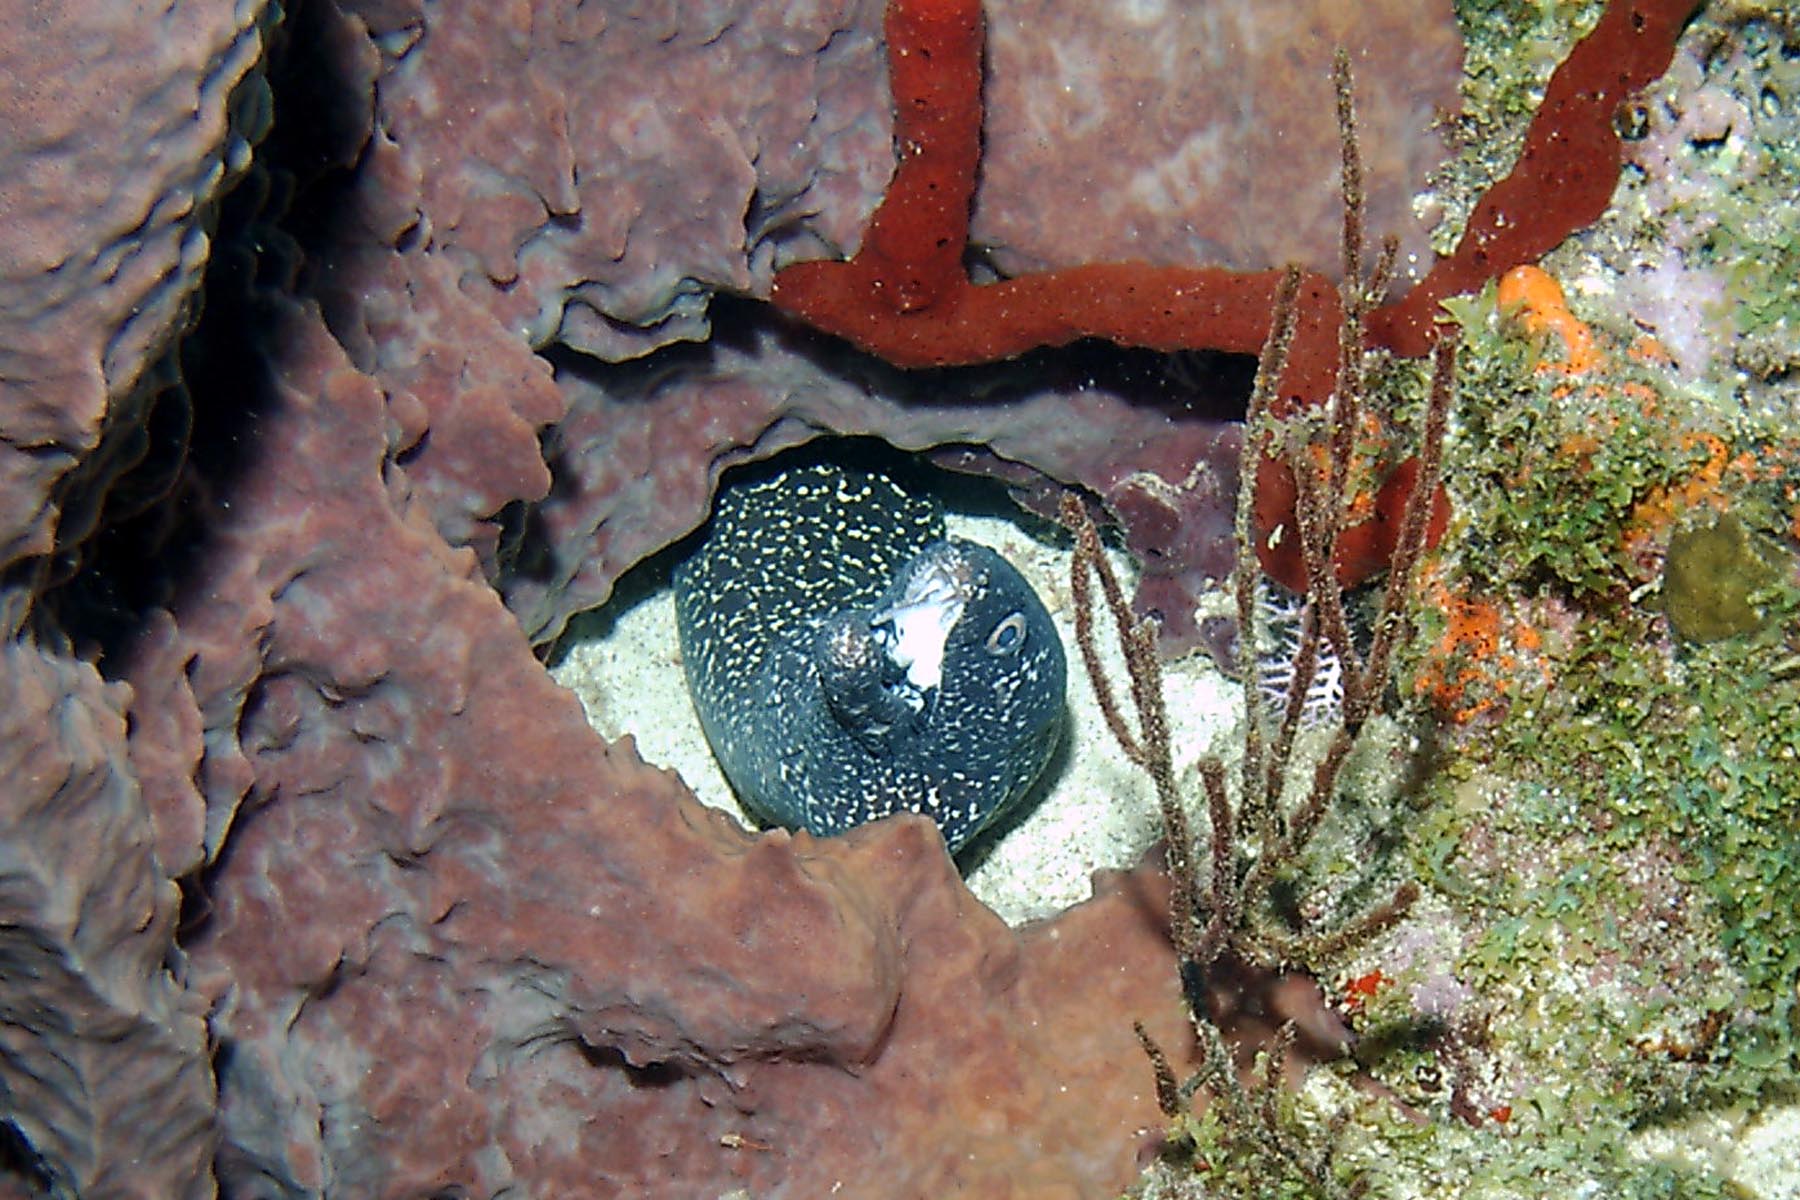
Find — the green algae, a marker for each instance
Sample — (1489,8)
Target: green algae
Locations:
(1608,955)
(1610,944)
(1551,467)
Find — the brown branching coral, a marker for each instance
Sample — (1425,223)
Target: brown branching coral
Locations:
(1223,919)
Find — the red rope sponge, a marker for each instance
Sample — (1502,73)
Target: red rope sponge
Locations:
(1566,171)
(913,249)
(905,296)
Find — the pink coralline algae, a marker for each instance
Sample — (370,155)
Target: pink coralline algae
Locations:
(316,885)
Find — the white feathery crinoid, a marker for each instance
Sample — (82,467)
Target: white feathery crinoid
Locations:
(1276,654)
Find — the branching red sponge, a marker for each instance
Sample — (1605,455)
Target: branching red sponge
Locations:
(1566,171)
(911,259)
(906,297)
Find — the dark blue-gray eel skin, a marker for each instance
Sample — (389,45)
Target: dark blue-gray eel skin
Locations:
(849,662)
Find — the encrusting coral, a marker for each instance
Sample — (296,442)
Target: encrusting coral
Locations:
(1711,579)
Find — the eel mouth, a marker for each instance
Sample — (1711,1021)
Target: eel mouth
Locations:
(915,629)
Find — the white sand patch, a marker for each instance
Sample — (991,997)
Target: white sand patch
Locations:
(1097,811)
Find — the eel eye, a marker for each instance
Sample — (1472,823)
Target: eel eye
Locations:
(1008,636)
